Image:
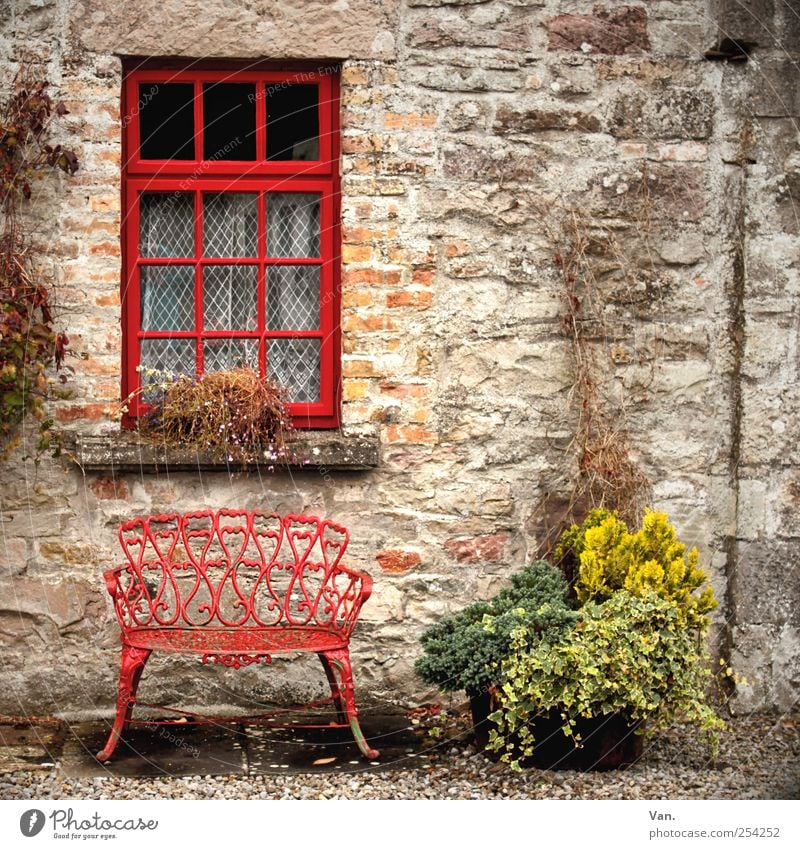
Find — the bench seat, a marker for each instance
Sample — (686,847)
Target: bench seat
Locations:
(235,641)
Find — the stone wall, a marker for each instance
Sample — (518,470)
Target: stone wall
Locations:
(468,127)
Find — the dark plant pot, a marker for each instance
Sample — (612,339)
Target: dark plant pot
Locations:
(608,742)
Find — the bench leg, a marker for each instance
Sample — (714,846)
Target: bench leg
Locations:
(130,671)
(339,659)
(341,715)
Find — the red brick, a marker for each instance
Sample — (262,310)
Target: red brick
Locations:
(354,76)
(422,276)
(110,489)
(370,276)
(90,412)
(410,434)
(358,368)
(409,120)
(409,299)
(397,560)
(356,253)
(486,547)
(404,390)
(366,323)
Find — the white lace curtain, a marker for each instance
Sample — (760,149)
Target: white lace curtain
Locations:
(230,230)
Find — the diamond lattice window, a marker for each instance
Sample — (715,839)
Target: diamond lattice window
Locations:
(231,252)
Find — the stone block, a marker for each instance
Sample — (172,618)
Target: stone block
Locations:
(687,249)
(309,29)
(434,31)
(785,670)
(467,115)
(672,192)
(766,589)
(753,21)
(617,30)
(484,548)
(752,509)
(777,94)
(397,560)
(455,3)
(467,79)
(674,113)
(490,162)
(509,119)
(64,602)
(13,556)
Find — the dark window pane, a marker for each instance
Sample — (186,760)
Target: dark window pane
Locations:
(166,121)
(293,122)
(229,118)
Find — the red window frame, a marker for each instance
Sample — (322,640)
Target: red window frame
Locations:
(197,176)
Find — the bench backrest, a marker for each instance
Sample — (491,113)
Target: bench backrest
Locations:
(233,568)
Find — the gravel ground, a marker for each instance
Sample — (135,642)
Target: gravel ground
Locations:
(758,759)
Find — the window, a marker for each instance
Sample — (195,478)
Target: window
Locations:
(230,235)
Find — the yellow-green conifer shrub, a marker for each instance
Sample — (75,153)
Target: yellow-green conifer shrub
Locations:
(652,560)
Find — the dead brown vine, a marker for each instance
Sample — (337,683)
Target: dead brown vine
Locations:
(600,469)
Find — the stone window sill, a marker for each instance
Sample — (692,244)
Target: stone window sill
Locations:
(128,452)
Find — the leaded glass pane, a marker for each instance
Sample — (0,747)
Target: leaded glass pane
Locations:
(293,297)
(166,225)
(294,363)
(226,354)
(166,297)
(230,297)
(167,357)
(230,224)
(292,224)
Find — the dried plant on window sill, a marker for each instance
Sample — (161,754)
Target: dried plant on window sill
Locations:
(236,416)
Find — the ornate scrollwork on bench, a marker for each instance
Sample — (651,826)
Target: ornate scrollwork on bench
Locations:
(235,587)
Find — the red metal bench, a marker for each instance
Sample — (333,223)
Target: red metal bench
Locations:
(235,588)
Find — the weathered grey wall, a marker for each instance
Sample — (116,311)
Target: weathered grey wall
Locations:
(462,121)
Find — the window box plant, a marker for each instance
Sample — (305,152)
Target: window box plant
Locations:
(627,655)
(235,415)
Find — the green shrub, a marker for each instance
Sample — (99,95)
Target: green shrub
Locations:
(571,543)
(632,654)
(652,560)
(464,651)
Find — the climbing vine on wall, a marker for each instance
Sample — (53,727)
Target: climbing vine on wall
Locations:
(29,342)
(591,261)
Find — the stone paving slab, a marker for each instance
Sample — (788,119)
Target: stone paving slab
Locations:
(155,750)
(314,750)
(180,749)
(29,745)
